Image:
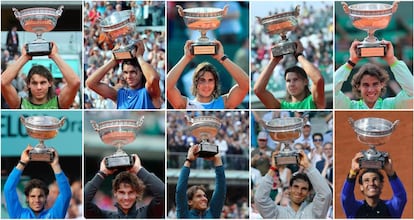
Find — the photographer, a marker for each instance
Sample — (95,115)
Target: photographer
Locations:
(196,197)
(300,187)
(128,188)
(371,182)
(36,192)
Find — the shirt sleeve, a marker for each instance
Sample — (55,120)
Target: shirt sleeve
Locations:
(265,205)
(14,208)
(91,187)
(349,204)
(156,187)
(403,76)
(60,207)
(341,100)
(181,193)
(399,198)
(323,197)
(219,194)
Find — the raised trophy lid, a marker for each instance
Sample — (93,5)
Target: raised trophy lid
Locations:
(42,123)
(375,127)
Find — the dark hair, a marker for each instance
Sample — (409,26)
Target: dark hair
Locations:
(36,183)
(370,170)
(371,70)
(302,74)
(193,189)
(199,71)
(300,176)
(134,62)
(317,134)
(42,71)
(126,177)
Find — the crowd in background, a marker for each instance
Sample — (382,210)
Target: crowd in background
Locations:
(150,29)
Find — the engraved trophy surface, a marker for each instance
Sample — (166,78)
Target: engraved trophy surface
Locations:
(373,132)
(202,19)
(281,24)
(118,133)
(285,130)
(205,128)
(370,17)
(38,21)
(120,27)
(42,128)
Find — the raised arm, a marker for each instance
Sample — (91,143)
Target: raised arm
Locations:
(399,198)
(237,93)
(173,94)
(7,89)
(259,89)
(103,89)
(219,194)
(318,83)
(68,93)
(349,203)
(151,75)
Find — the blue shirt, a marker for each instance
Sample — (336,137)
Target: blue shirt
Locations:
(214,104)
(134,99)
(16,210)
(216,202)
(395,205)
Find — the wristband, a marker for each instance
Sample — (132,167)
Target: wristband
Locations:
(273,168)
(351,63)
(297,55)
(22,163)
(186,159)
(102,174)
(223,58)
(352,172)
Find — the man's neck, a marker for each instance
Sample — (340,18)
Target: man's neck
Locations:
(38,101)
(204,99)
(372,202)
(295,206)
(299,97)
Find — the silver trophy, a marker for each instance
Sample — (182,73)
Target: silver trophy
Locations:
(38,21)
(370,17)
(373,132)
(120,27)
(205,128)
(42,128)
(118,133)
(281,24)
(203,19)
(285,130)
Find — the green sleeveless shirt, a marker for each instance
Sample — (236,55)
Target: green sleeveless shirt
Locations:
(306,103)
(53,103)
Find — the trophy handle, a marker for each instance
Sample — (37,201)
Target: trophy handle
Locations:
(140,121)
(225,9)
(16,13)
(94,125)
(345,7)
(394,125)
(259,19)
(23,120)
(188,119)
(62,121)
(351,122)
(297,10)
(395,6)
(180,10)
(59,11)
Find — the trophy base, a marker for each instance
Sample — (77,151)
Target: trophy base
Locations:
(375,50)
(207,48)
(41,156)
(373,159)
(207,150)
(283,48)
(39,48)
(286,160)
(119,161)
(124,53)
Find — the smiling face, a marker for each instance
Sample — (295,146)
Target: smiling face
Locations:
(299,190)
(370,89)
(371,185)
(36,199)
(132,76)
(125,196)
(199,200)
(205,85)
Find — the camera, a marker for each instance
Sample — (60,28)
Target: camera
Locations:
(373,159)
(286,157)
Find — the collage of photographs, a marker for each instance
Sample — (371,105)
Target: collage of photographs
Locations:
(166,109)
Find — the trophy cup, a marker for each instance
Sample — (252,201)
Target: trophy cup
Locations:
(42,128)
(38,21)
(285,130)
(118,133)
(202,19)
(281,24)
(119,27)
(370,17)
(373,132)
(205,128)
